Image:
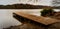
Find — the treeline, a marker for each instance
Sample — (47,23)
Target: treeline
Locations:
(22,6)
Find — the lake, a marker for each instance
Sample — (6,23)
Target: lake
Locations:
(7,20)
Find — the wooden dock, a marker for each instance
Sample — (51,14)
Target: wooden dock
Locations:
(39,19)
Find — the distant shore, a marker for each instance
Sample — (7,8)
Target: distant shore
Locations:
(25,6)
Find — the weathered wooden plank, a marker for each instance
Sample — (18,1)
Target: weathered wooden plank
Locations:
(39,19)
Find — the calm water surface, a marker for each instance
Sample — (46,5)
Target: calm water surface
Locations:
(7,20)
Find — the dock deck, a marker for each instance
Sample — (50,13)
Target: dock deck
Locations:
(39,19)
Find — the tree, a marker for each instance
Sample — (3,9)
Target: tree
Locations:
(47,12)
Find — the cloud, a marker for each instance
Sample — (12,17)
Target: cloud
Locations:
(40,2)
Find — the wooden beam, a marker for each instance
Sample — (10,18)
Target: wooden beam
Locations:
(39,19)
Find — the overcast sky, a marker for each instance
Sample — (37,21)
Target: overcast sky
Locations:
(4,2)
(40,2)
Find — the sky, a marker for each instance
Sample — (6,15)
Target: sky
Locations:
(40,2)
(5,2)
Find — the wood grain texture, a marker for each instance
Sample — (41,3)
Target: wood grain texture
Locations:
(40,19)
